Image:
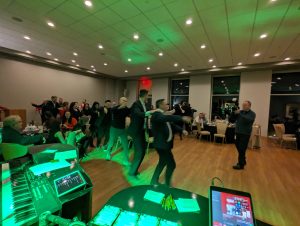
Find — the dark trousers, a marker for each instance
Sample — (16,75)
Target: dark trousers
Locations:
(165,159)
(241,144)
(139,144)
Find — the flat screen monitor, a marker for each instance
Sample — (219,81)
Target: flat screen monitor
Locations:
(230,207)
(68,183)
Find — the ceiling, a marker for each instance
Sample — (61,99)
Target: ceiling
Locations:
(230,30)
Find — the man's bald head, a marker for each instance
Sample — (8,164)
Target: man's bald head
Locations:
(123,101)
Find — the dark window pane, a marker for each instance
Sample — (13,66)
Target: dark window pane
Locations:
(180,87)
(286,83)
(226,85)
(284,109)
(178,99)
(223,105)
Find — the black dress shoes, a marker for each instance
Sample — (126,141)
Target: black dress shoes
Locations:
(238,167)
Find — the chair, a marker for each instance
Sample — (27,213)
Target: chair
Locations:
(202,132)
(254,141)
(118,143)
(282,137)
(12,151)
(221,131)
(149,141)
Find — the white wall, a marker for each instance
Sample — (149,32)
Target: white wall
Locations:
(200,93)
(160,89)
(256,87)
(131,91)
(23,83)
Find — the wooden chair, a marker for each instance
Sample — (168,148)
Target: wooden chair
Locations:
(221,131)
(12,151)
(282,137)
(149,141)
(118,143)
(202,132)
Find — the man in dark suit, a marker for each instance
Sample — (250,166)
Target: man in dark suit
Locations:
(244,120)
(164,126)
(136,130)
(52,106)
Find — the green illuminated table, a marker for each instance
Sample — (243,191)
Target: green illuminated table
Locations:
(132,199)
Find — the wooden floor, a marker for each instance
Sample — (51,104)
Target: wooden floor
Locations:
(272,175)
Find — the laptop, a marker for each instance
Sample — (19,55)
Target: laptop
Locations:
(230,207)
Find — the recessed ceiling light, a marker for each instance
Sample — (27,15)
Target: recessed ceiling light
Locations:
(105,64)
(148,68)
(189,21)
(27,51)
(55,59)
(100,46)
(287,58)
(222,81)
(182,69)
(75,54)
(126,71)
(77,65)
(49,54)
(73,61)
(136,36)
(88,3)
(176,65)
(27,37)
(278,78)
(160,54)
(50,24)
(129,59)
(203,46)
(257,54)
(263,36)
(92,66)
(297,85)
(240,63)
(211,60)
(214,66)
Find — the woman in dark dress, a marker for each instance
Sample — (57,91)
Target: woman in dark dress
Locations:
(74,109)
(86,111)
(95,122)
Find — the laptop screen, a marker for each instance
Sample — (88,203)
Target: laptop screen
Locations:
(231,209)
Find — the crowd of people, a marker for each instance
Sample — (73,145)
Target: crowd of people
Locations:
(100,126)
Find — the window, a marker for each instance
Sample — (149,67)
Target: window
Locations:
(225,96)
(180,89)
(285,101)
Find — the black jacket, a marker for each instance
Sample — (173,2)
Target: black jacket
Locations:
(10,135)
(137,115)
(160,129)
(52,107)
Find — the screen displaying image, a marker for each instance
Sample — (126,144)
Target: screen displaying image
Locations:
(230,209)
